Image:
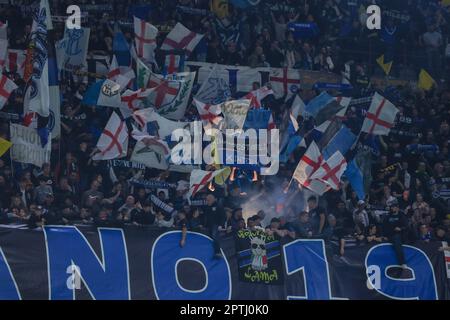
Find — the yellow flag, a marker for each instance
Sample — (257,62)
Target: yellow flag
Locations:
(425,80)
(220,8)
(385,66)
(4,146)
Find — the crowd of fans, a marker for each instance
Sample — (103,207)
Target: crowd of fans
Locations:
(410,170)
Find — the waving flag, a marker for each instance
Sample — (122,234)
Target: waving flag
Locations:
(121,48)
(380,117)
(103,93)
(331,170)
(356,178)
(6,88)
(235,112)
(113,142)
(298,107)
(145,39)
(426,81)
(181,38)
(284,81)
(337,107)
(4,146)
(149,141)
(342,142)
(37,93)
(209,114)
(318,103)
(257,95)
(133,101)
(200,178)
(214,89)
(157,125)
(3,53)
(15,61)
(173,63)
(143,73)
(386,66)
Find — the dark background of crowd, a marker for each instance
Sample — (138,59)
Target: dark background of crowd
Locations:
(75,189)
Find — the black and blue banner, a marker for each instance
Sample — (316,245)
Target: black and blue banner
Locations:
(67,262)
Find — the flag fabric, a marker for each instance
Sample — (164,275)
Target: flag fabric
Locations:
(133,101)
(3,53)
(120,74)
(284,81)
(173,63)
(235,113)
(143,74)
(214,89)
(298,107)
(37,92)
(121,48)
(154,142)
(157,125)
(386,66)
(15,61)
(342,142)
(426,82)
(4,146)
(113,142)
(4,30)
(145,39)
(354,175)
(331,170)
(103,93)
(7,86)
(72,49)
(257,95)
(220,8)
(200,178)
(315,105)
(209,114)
(336,107)
(307,166)
(181,38)
(380,117)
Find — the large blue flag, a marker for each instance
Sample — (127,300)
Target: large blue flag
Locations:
(342,141)
(356,179)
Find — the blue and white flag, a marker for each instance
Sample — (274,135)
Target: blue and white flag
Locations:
(342,142)
(37,91)
(72,49)
(318,103)
(356,178)
(303,30)
(103,93)
(214,89)
(121,48)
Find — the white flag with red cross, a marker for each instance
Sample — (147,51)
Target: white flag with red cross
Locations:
(158,145)
(380,117)
(331,170)
(284,81)
(181,38)
(132,101)
(7,86)
(15,61)
(120,75)
(257,95)
(145,39)
(200,178)
(307,166)
(113,142)
(209,114)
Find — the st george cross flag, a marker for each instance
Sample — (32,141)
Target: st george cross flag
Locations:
(103,93)
(132,101)
(309,163)
(214,89)
(6,87)
(209,114)
(181,38)
(200,178)
(284,81)
(113,142)
(380,117)
(15,61)
(145,39)
(121,75)
(257,95)
(331,170)
(37,93)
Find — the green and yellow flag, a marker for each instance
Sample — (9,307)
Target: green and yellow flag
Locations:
(386,66)
(4,146)
(426,82)
(220,8)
